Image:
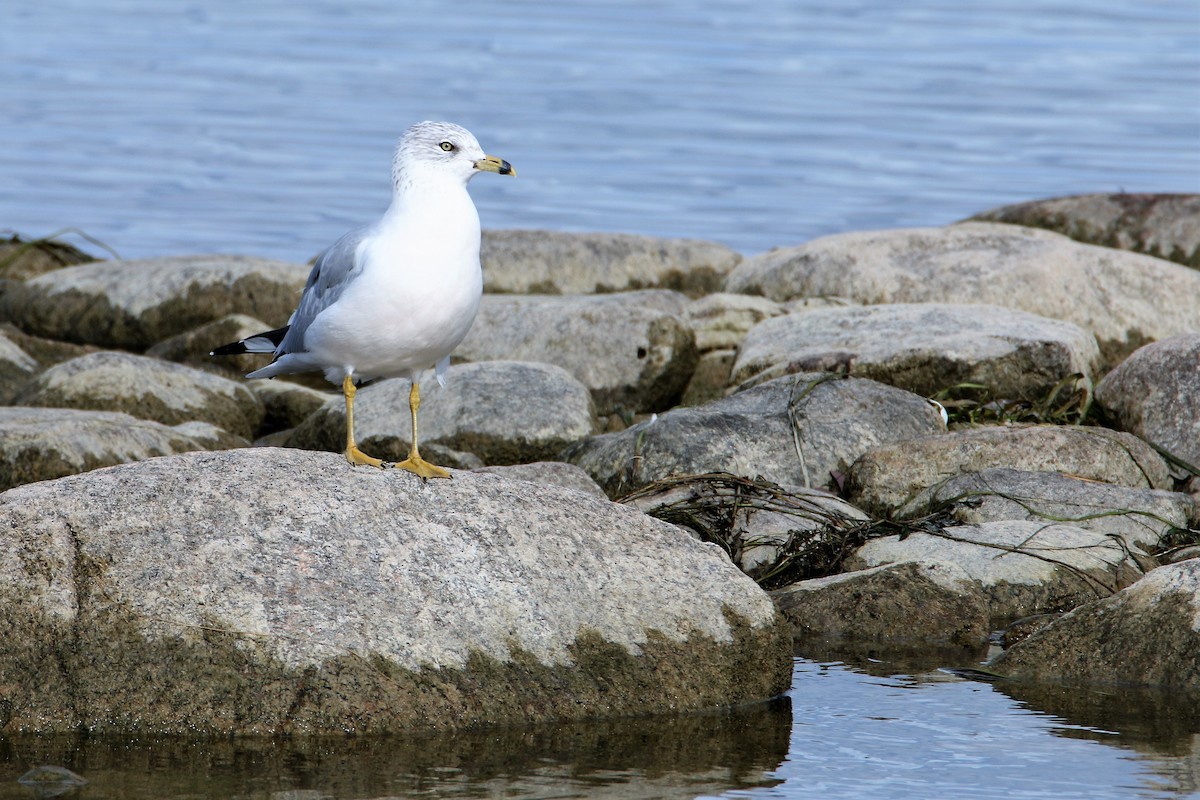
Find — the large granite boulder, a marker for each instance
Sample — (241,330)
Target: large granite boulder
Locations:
(920,603)
(1162,225)
(925,347)
(38,444)
(796,431)
(889,476)
(632,350)
(136,304)
(552,262)
(279,591)
(1142,518)
(1146,635)
(1124,299)
(147,388)
(1021,567)
(1155,394)
(500,412)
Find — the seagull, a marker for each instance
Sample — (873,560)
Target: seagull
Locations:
(394,298)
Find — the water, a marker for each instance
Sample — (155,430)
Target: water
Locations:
(266,127)
(844,731)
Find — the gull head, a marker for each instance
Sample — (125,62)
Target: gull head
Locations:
(442,150)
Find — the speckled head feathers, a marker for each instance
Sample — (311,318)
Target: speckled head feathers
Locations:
(438,146)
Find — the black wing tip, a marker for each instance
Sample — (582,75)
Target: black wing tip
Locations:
(237,348)
(231,349)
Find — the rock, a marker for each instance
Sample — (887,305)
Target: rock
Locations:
(908,603)
(51,781)
(924,347)
(710,378)
(629,353)
(722,320)
(551,262)
(1145,635)
(193,347)
(1139,517)
(1162,225)
(1022,567)
(273,591)
(1124,299)
(503,412)
(210,437)
(1155,395)
(16,368)
(890,475)
(752,434)
(136,304)
(556,473)
(147,388)
(287,404)
(21,259)
(766,529)
(38,444)
(47,352)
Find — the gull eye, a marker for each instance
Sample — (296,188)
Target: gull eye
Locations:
(447,146)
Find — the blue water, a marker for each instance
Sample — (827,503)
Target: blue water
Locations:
(266,127)
(843,733)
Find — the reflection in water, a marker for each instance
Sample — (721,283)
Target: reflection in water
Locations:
(1164,726)
(872,724)
(646,757)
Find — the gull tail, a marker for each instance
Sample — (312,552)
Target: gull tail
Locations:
(266,342)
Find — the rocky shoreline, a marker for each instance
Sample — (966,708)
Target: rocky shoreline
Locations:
(891,438)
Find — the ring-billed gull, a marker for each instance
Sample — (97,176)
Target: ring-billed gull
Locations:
(394,298)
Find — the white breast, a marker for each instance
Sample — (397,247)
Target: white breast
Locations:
(416,296)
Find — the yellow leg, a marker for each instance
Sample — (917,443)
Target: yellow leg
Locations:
(414,463)
(353,454)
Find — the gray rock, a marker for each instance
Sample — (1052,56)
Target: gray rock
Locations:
(1139,517)
(278,591)
(793,431)
(47,352)
(1022,567)
(556,473)
(193,347)
(16,368)
(1124,299)
(210,437)
(1145,635)
(38,444)
(503,412)
(722,320)
(147,388)
(1162,225)
(925,347)
(891,475)
(550,262)
(632,355)
(710,378)
(288,404)
(136,304)
(1155,394)
(908,603)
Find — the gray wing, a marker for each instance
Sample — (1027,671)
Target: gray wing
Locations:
(330,275)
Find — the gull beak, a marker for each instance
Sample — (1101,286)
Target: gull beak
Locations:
(497,165)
